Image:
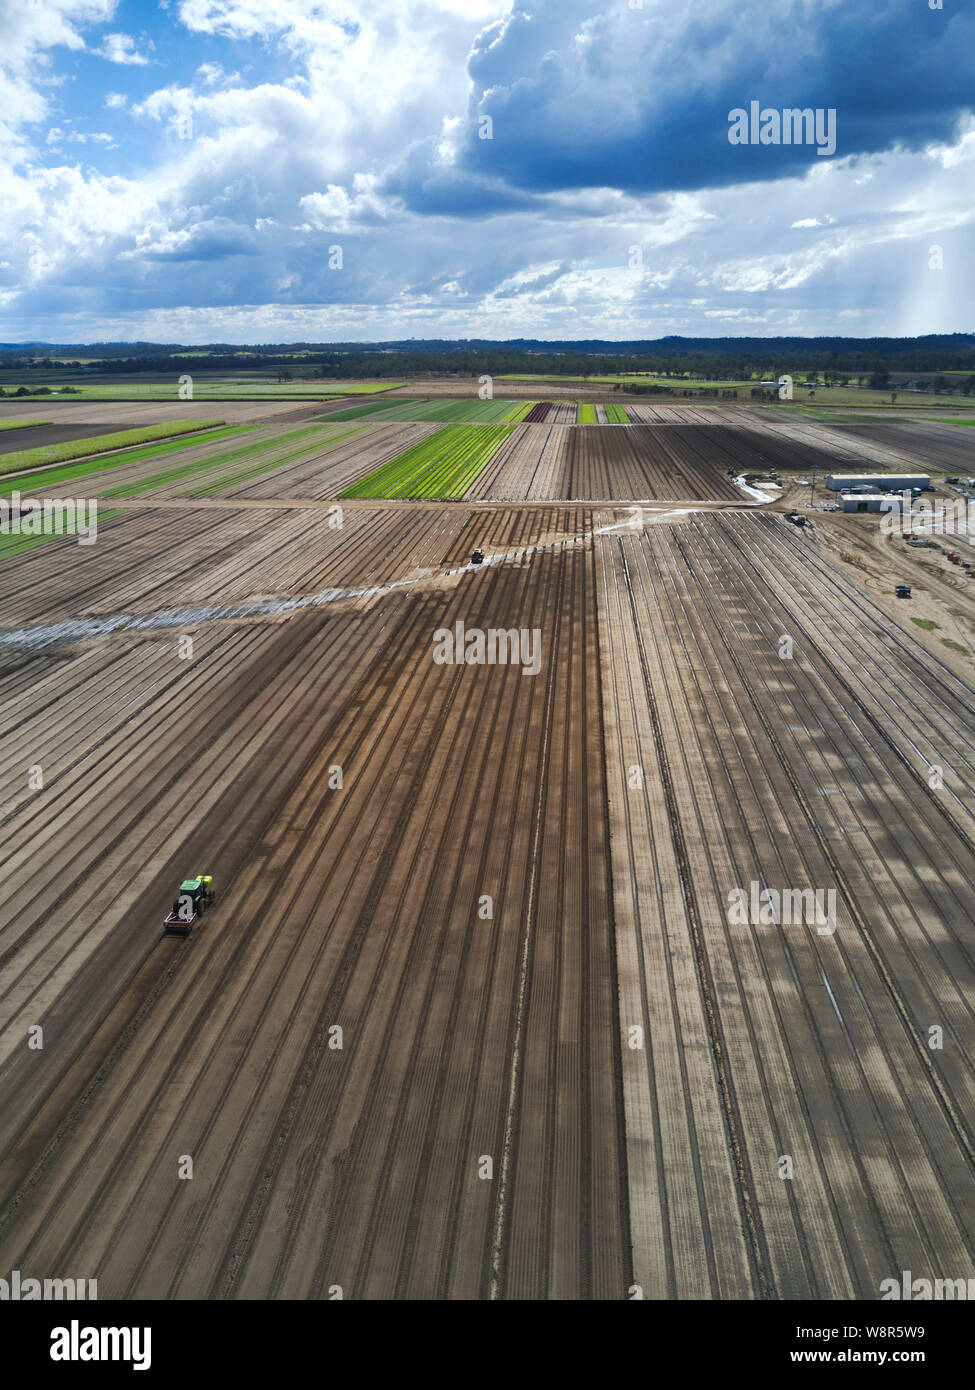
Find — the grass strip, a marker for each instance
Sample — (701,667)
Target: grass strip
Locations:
(96,444)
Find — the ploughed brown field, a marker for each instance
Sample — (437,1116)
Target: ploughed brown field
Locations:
(36,436)
(476,1013)
(939,446)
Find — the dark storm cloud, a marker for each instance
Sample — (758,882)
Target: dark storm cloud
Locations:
(579,95)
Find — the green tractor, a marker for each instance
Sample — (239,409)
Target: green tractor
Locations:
(194,897)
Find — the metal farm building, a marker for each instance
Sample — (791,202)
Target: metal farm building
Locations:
(868,502)
(890,482)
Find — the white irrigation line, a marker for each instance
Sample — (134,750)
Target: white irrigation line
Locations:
(79,629)
(634,524)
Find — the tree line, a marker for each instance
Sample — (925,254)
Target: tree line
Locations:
(836,361)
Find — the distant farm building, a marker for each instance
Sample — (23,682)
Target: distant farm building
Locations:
(881,482)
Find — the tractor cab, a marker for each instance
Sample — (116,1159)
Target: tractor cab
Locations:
(478,557)
(194,897)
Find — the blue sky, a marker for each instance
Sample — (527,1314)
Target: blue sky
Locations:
(561,168)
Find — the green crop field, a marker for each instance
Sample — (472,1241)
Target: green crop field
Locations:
(256,387)
(45,477)
(220,485)
(222,471)
(387,409)
(557,378)
(867,399)
(837,417)
(490,412)
(96,444)
(616,415)
(444,465)
(586,415)
(472,412)
(21,424)
(218,471)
